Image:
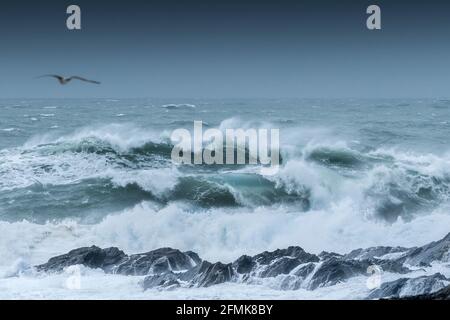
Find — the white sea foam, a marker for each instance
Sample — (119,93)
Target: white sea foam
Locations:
(218,234)
(179,106)
(157,181)
(121,136)
(215,235)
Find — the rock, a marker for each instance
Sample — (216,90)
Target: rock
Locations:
(272,264)
(296,279)
(392,266)
(293,268)
(204,275)
(374,252)
(158,261)
(283,265)
(410,287)
(443,294)
(335,270)
(113,260)
(305,270)
(91,257)
(327,255)
(435,251)
(167,280)
(243,265)
(208,274)
(293,252)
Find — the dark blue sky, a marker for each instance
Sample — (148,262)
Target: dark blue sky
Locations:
(221,49)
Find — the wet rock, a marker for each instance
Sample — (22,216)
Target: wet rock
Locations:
(243,265)
(208,274)
(113,260)
(158,261)
(305,270)
(293,268)
(328,255)
(283,265)
(374,252)
(334,270)
(410,287)
(424,256)
(392,266)
(91,257)
(443,294)
(293,252)
(205,274)
(272,264)
(167,280)
(296,279)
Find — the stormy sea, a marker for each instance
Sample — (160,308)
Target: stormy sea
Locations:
(93,207)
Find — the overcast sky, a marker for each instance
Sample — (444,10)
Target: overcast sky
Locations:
(224,49)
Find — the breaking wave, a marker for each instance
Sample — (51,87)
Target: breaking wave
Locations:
(112,167)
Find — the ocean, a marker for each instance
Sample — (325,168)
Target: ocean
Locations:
(354,173)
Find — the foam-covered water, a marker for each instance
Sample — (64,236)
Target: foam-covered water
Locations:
(354,173)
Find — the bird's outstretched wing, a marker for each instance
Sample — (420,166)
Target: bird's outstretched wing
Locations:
(60,78)
(82,79)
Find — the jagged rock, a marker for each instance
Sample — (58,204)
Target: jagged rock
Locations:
(328,255)
(293,252)
(392,266)
(296,279)
(158,261)
(167,280)
(443,294)
(295,268)
(374,252)
(305,270)
(205,274)
(272,264)
(113,260)
(435,251)
(92,257)
(244,265)
(210,274)
(410,287)
(335,270)
(283,265)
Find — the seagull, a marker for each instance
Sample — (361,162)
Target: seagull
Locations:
(63,80)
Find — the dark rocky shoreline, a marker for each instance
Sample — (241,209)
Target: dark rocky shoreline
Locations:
(168,268)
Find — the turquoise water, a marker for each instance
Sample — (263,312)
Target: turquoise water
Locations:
(85,159)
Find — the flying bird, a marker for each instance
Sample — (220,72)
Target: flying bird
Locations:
(63,80)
